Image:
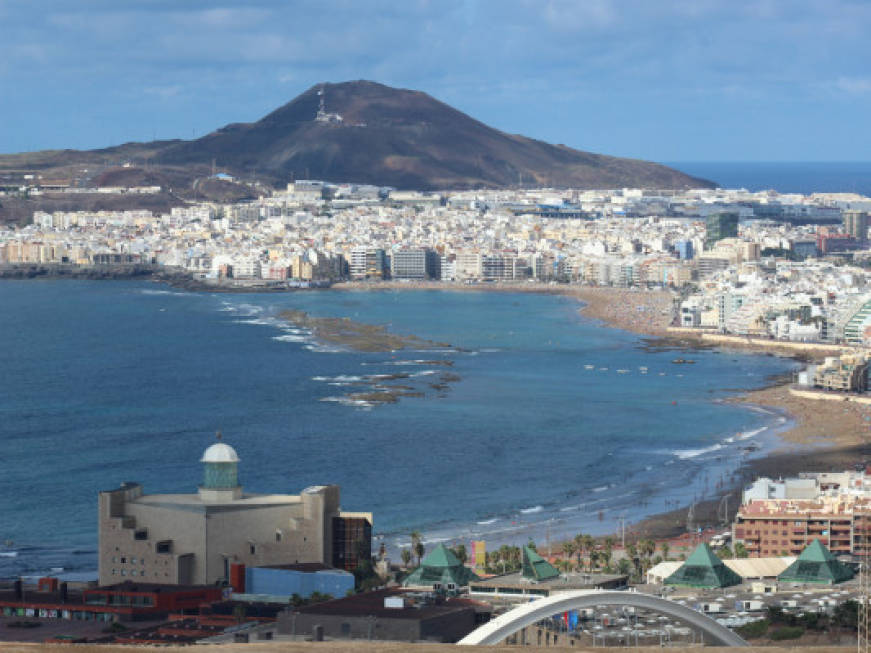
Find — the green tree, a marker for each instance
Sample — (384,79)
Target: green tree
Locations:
(461,553)
(568,550)
(665,550)
(740,550)
(624,566)
(579,547)
(608,550)
(846,614)
(632,552)
(589,544)
(405,554)
(417,546)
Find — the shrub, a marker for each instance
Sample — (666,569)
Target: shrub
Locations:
(754,629)
(787,632)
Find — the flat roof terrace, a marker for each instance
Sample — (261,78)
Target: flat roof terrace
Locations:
(516,585)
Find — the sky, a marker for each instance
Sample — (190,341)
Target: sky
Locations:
(664,80)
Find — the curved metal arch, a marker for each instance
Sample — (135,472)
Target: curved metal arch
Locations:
(496,630)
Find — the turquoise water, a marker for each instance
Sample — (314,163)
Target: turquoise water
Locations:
(104,382)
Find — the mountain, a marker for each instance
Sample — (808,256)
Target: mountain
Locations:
(406,139)
(368,133)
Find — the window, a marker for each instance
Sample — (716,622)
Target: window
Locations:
(253,549)
(132,561)
(164,547)
(114,572)
(123,572)
(141,534)
(123,561)
(278,536)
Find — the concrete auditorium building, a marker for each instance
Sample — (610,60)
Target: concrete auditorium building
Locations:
(194,539)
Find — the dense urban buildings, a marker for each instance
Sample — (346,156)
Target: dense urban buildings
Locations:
(789,267)
(782,517)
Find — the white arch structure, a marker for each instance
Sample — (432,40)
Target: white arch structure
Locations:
(496,630)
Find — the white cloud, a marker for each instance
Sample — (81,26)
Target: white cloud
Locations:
(854,85)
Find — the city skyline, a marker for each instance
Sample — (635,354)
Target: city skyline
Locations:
(671,82)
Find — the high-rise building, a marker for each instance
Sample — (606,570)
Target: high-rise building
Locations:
(684,249)
(193,539)
(414,264)
(368,263)
(856,224)
(720,226)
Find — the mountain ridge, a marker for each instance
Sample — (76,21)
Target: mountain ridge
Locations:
(372,133)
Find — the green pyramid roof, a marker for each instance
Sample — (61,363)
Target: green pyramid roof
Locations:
(816,564)
(536,567)
(703,569)
(441,556)
(440,566)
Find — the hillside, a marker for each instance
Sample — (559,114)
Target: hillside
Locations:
(384,136)
(406,139)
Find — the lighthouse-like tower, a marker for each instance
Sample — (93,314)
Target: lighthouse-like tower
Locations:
(220,474)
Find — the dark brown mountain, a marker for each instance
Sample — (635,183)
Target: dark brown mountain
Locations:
(386,136)
(406,139)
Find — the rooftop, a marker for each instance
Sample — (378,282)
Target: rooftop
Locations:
(419,605)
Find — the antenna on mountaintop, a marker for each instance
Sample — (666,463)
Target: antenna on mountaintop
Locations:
(218,435)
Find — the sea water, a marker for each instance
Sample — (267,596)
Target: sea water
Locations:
(805,177)
(547,420)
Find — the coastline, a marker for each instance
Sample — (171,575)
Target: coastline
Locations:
(819,436)
(822,435)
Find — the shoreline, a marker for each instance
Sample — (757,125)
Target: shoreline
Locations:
(822,435)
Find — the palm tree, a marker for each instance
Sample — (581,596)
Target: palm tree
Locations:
(579,547)
(589,543)
(461,553)
(647,548)
(632,552)
(624,566)
(568,550)
(608,550)
(415,544)
(405,554)
(665,549)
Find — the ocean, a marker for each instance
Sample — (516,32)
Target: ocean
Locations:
(535,420)
(803,177)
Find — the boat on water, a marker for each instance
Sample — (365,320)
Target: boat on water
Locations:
(589,367)
(622,371)
(683,361)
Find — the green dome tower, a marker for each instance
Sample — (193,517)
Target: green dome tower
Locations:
(220,473)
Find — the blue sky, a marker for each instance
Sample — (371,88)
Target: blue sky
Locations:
(666,80)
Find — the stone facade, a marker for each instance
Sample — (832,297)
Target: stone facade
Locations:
(192,539)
